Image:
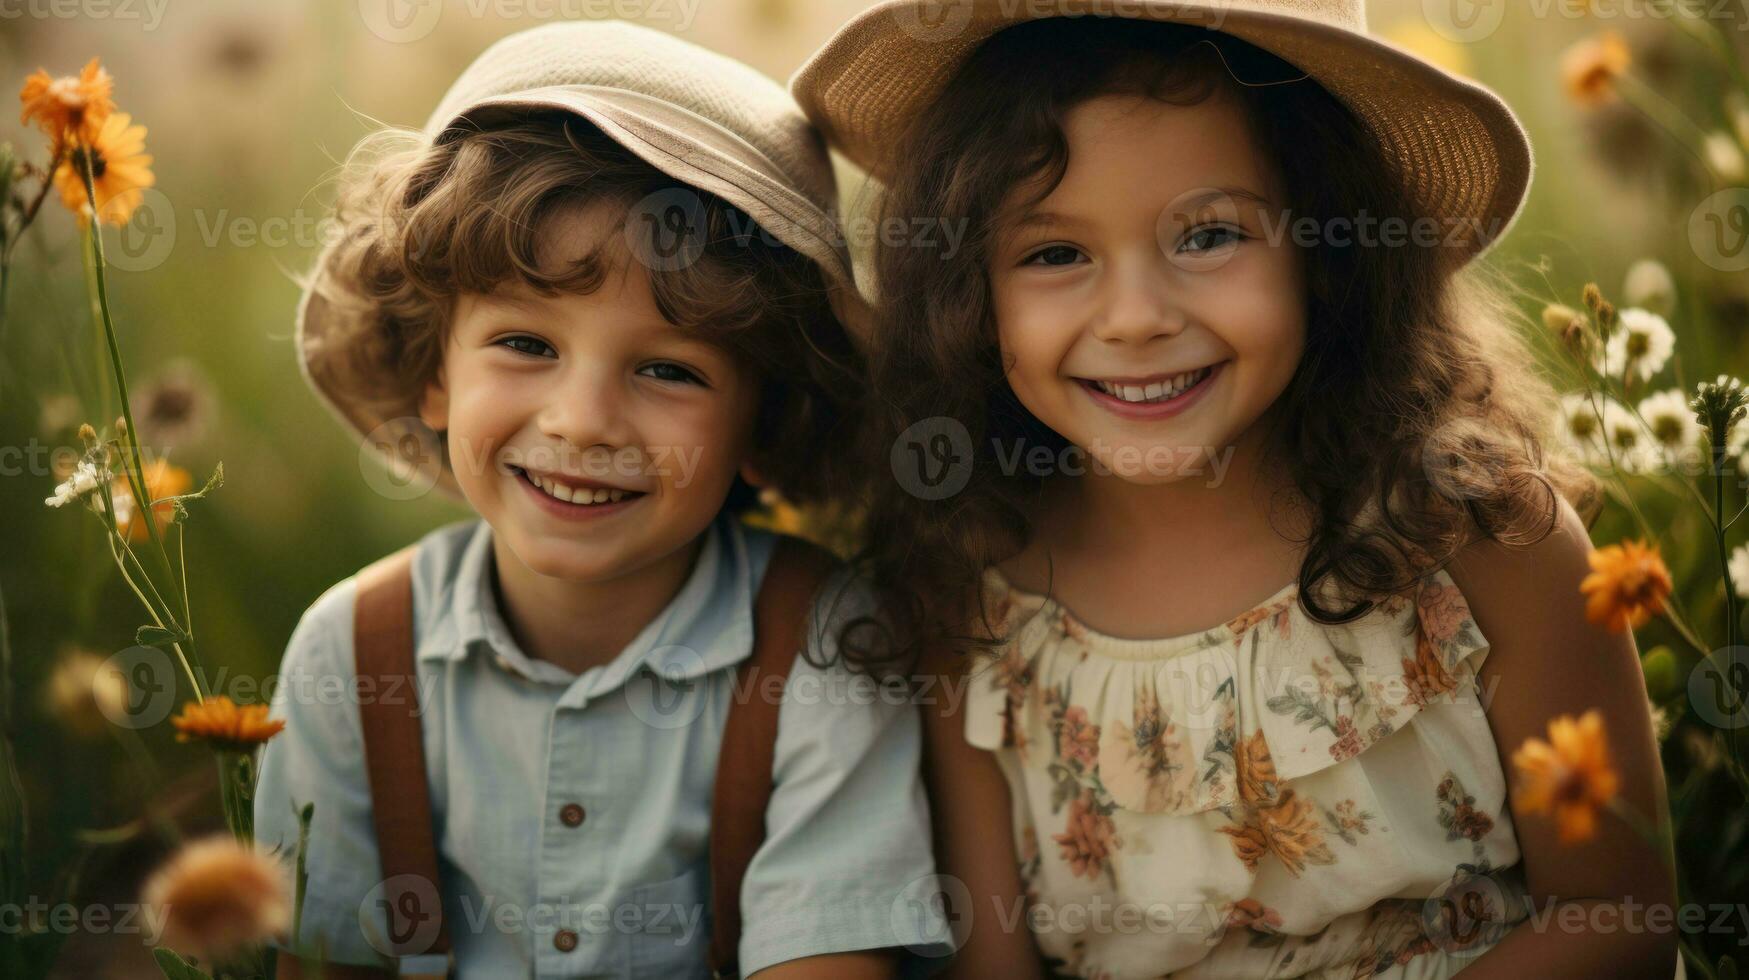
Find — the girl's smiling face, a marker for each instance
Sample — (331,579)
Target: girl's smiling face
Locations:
(594,396)
(1148,308)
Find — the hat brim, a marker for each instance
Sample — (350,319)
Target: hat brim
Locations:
(1457,148)
(676,141)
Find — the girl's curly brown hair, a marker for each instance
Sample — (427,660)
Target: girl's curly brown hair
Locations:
(1413,425)
(420,224)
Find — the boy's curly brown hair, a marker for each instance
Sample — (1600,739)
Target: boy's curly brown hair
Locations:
(421,224)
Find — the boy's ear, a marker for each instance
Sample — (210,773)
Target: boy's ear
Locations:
(434,402)
(750,473)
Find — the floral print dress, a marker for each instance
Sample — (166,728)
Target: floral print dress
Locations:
(1271,798)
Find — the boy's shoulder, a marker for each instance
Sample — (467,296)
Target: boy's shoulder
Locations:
(438,557)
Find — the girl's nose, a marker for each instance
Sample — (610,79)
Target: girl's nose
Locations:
(1137,304)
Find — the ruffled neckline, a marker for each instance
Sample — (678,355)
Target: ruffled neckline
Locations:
(1230,714)
(1008,598)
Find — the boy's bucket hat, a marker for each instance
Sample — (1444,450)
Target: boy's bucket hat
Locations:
(1455,145)
(699,117)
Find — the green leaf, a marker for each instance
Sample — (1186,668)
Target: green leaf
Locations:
(175,967)
(158,636)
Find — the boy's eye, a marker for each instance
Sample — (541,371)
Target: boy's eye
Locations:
(1053,255)
(1210,238)
(526,345)
(669,371)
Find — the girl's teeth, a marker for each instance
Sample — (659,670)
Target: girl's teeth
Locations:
(1157,391)
(581,495)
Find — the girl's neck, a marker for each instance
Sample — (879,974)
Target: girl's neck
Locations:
(577,625)
(1237,495)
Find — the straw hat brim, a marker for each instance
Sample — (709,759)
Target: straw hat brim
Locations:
(1457,148)
(673,139)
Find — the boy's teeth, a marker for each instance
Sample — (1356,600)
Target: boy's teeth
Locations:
(582,495)
(1157,391)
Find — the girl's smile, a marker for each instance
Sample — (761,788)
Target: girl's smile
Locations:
(1155,397)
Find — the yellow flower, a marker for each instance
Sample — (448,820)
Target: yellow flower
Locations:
(216,898)
(1589,68)
(1627,586)
(162,480)
(68,109)
(226,724)
(1569,776)
(120,170)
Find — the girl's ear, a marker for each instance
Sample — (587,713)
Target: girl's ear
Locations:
(434,402)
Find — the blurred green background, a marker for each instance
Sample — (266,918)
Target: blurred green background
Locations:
(250,107)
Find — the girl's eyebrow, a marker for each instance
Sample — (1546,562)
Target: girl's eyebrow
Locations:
(1036,220)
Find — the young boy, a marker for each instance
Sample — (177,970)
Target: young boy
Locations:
(601,299)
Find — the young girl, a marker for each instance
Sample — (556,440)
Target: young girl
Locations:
(1275,573)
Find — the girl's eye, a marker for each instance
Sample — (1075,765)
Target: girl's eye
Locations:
(1210,238)
(526,345)
(668,371)
(1053,255)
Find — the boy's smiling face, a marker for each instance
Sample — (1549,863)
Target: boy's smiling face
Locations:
(1146,312)
(595,396)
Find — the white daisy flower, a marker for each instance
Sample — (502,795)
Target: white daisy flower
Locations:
(1639,346)
(85,480)
(1673,425)
(1580,429)
(1631,446)
(1739,565)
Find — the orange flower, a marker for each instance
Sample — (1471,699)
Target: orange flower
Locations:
(1589,69)
(162,480)
(1569,775)
(225,723)
(120,170)
(68,109)
(1627,585)
(216,898)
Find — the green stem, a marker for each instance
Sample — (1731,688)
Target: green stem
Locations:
(142,492)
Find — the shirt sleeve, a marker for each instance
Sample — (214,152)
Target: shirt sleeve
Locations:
(846,864)
(319,759)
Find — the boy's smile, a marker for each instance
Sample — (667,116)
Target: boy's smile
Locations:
(595,436)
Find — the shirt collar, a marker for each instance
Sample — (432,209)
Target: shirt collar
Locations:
(707,625)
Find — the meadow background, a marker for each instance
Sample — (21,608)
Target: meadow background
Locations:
(250,107)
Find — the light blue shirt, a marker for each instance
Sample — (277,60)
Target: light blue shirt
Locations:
(514,746)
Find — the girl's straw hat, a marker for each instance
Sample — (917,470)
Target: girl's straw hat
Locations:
(1456,147)
(702,118)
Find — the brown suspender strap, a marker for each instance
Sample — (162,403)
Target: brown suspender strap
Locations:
(743,784)
(394,752)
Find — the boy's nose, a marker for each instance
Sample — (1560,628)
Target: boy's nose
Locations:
(587,414)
